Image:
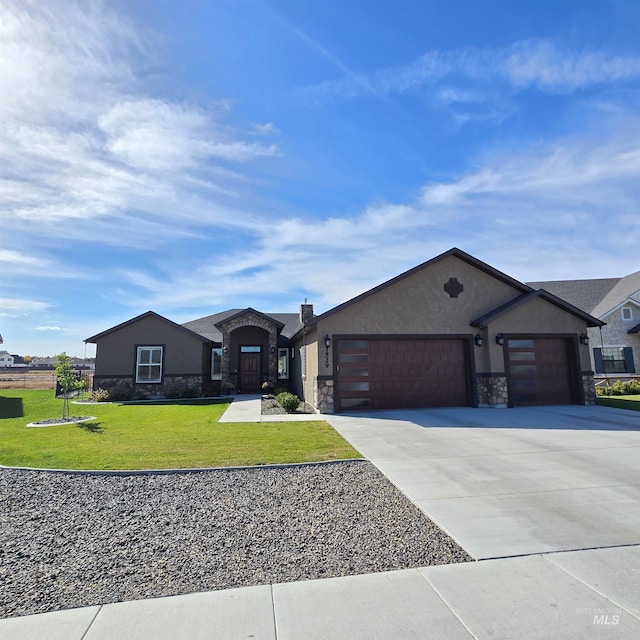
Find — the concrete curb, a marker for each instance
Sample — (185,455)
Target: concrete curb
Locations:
(140,472)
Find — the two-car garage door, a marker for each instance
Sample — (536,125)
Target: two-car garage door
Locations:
(400,373)
(392,373)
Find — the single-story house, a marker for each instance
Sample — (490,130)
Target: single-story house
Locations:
(615,347)
(452,331)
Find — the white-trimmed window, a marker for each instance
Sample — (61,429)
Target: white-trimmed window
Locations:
(627,313)
(283,363)
(216,363)
(149,364)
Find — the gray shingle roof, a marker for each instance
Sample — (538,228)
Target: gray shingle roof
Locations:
(596,297)
(206,326)
(584,294)
(625,288)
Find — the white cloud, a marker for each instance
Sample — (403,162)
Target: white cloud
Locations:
(12,307)
(545,65)
(85,147)
(567,211)
(48,328)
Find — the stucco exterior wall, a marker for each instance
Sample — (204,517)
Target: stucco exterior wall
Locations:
(116,351)
(418,304)
(538,316)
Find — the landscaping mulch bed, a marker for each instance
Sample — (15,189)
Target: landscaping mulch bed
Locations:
(75,540)
(271,408)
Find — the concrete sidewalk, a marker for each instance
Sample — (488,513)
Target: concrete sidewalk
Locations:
(248,408)
(574,595)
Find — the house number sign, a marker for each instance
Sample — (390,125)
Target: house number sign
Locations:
(326,358)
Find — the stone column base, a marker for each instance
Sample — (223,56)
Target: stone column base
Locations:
(492,391)
(324,394)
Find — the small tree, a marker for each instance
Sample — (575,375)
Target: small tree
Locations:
(67,379)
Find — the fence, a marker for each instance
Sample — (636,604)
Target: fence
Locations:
(33,379)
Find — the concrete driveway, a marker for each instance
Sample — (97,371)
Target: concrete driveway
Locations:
(514,481)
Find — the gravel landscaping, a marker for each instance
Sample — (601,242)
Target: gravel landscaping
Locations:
(75,540)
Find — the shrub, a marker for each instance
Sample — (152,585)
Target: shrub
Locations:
(100,395)
(181,391)
(288,401)
(280,390)
(619,388)
(226,387)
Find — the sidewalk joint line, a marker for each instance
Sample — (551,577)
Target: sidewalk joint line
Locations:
(84,635)
(446,604)
(592,588)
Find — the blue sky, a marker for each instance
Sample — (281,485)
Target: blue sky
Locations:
(189,157)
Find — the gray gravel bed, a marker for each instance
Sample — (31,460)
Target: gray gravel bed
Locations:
(270,407)
(70,541)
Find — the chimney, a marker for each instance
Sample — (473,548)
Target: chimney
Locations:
(306,312)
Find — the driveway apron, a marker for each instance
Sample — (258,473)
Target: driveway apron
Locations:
(515,481)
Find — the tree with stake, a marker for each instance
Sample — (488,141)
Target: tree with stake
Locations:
(67,379)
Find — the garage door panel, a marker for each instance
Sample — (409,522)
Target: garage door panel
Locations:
(404,373)
(542,371)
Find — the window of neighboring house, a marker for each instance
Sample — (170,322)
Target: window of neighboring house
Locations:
(627,313)
(216,364)
(283,364)
(613,360)
(149,364)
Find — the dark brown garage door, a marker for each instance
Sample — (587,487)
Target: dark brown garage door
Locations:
(541,371)
(400,373)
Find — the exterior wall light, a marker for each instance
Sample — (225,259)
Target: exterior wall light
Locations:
(327,341)
(479,340)
(500,339)
(584,339)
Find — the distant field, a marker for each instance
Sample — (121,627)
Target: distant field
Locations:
(27,380)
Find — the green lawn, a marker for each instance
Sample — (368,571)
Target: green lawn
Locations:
(620,402)
(153,436)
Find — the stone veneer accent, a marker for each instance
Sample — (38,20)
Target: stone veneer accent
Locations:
(248,319)
(492,391)
(589,388)
(323,393)
(126,387)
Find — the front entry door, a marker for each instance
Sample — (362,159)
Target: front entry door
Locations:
(249,371)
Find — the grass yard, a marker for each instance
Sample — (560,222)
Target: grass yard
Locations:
(620,402)
(180,434)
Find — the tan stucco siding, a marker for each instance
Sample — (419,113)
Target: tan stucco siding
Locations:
(537,316)
(418,304)
(116,351)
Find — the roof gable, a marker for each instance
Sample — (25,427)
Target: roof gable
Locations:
(527,297)
(142,316)
(455,252)
(250,310)
(207,326)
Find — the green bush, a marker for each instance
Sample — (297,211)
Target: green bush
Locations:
(177,391)
(288,401)
(280,390)
(619,388)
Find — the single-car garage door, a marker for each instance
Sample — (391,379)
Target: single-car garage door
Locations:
(541,371)
(399,373)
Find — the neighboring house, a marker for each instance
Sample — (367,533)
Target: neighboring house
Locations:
(6,359)
(615,347)
(453,331)
(50,362)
